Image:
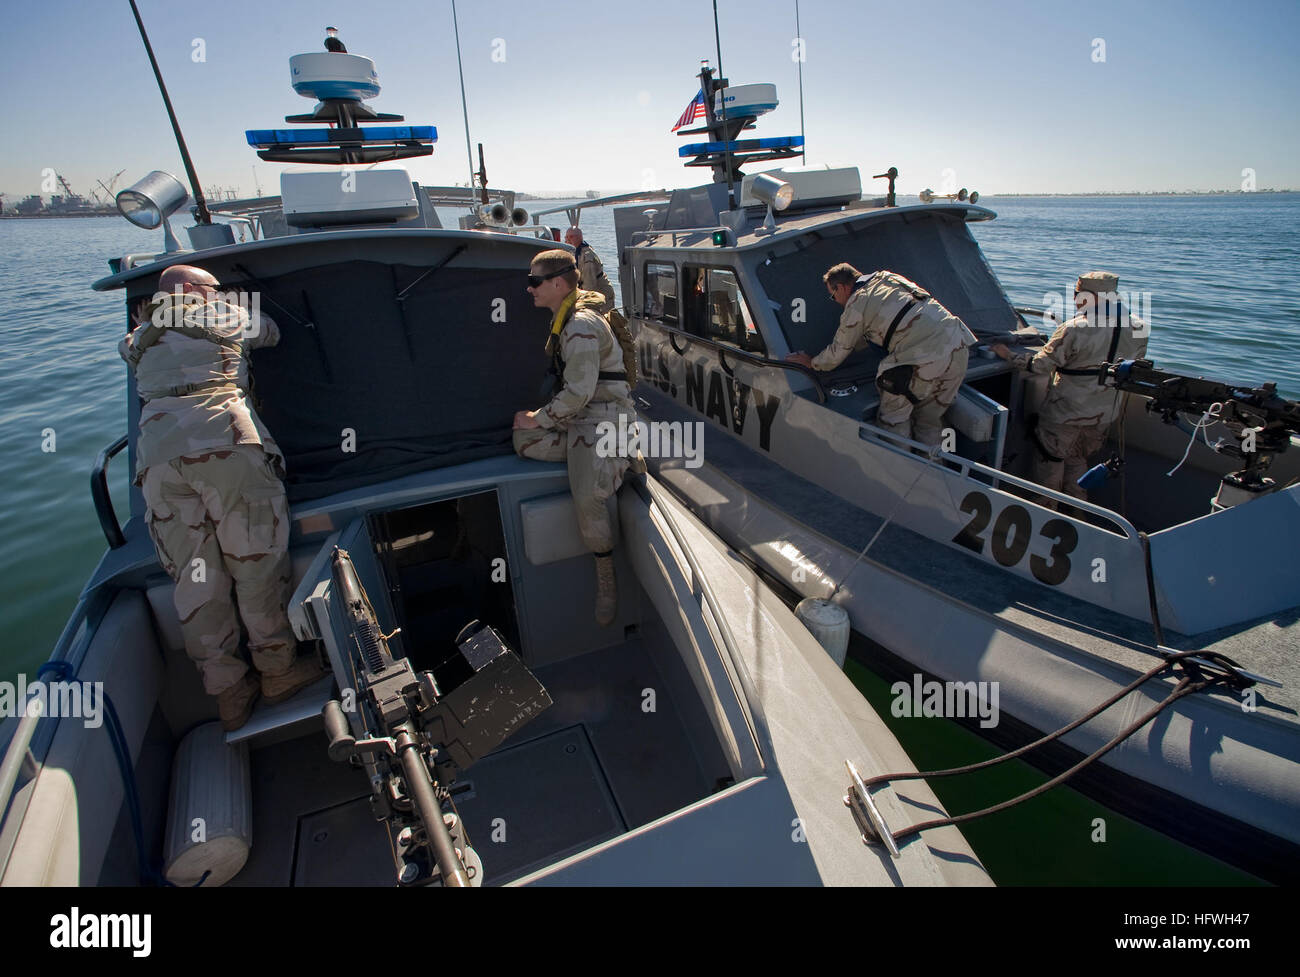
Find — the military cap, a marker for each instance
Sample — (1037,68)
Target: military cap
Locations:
(1100,282)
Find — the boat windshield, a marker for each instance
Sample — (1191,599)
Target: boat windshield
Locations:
(934,250)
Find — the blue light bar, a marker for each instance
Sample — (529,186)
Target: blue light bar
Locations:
(266,138)
(741,145)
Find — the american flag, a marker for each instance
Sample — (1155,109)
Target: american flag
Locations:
(693,111)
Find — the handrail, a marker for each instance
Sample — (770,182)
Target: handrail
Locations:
(735,351)
(1025,310)
(103,499)
(937,459)
(754,711)
(652,236)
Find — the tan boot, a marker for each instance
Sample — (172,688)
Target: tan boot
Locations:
(306,670)
(606,591)
(235,704)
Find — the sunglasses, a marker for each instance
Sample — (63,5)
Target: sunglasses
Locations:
(535,280)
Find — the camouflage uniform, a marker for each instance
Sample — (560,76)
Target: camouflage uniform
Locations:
(211,478)
(569,422)
(928,337)
(1077,410)
(591,275)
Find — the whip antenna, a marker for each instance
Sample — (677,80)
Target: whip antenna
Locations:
(202,216)
(464,106)
(717,40)
(803,150)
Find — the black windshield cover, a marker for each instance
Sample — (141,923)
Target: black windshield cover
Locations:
(933,250)
(434,383)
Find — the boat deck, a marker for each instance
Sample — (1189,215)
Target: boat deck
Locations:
(587,769)
(1267,646)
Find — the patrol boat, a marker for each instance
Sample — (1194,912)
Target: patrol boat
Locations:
(948,561)
(488,731)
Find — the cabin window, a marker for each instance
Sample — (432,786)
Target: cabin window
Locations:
(660,292)
(715,308)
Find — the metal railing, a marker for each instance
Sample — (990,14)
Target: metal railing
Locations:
(944,461)
(103,498)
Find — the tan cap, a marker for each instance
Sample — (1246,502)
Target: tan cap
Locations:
(1099,282)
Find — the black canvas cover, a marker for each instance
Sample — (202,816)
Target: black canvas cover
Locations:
(933,249)
(431,381)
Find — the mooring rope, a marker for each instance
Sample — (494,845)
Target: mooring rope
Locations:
(1194,681)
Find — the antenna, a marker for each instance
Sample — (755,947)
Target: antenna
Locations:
(803,151)
(202,216)
(257,187)
(464,106)
(717,40)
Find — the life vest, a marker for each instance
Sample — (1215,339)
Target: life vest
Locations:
(592,301)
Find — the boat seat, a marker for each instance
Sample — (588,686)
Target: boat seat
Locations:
(550,528)
(75,798)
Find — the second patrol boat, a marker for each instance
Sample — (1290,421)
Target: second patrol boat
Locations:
(950,561)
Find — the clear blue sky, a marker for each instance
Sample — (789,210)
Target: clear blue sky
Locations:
(1005,93)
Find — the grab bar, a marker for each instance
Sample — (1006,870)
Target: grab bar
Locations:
(103,499)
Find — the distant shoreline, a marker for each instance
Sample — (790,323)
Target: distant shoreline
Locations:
(520,195)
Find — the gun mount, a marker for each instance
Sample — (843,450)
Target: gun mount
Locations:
(1262,423)
(413,737)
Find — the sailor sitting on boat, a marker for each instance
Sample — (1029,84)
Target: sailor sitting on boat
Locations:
(210,474)
(593,366)
(1077,411)
(926,348)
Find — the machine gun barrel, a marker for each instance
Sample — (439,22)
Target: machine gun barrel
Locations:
(391,694)
(420,787)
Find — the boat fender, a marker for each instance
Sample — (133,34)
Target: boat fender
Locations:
(210,816)
(828,623)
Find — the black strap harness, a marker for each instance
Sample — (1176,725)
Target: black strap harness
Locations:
(919,295)
(1091,371)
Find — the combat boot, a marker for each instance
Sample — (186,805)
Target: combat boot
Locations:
(606,590)
(235,704)
(306,670)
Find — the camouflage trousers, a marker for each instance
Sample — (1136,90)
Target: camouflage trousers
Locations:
(592,479)
(220,524)
(1074,444)
(923,421)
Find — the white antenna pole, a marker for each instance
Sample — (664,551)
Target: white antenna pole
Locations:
(803,149)
(469,154)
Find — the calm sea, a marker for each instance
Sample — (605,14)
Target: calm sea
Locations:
(1220,284)
(1220,276)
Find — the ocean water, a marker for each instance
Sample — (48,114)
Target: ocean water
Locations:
(1219,278)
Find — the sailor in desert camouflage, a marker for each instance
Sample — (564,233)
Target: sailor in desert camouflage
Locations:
(589,362)
(211,475)
(591,273)
(1078,411)
(926,348)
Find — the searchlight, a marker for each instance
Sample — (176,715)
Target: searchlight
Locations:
(149,202)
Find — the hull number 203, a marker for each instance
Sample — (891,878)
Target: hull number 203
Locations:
(1009,539)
